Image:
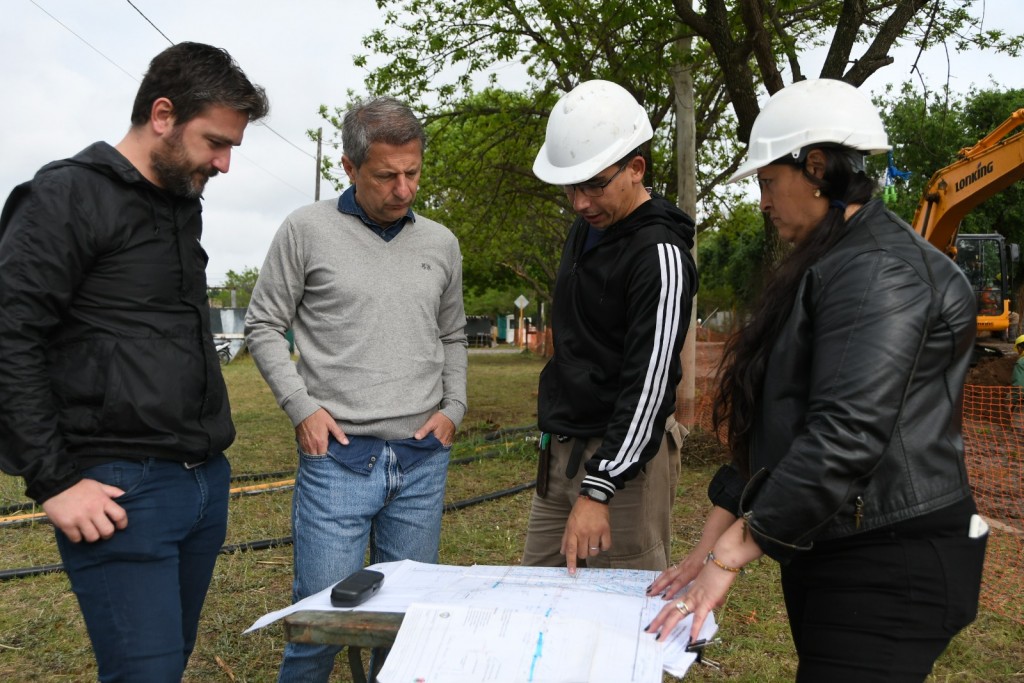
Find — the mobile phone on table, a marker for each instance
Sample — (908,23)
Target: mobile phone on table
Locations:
(356,588)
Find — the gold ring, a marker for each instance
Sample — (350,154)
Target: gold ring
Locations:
(683,608)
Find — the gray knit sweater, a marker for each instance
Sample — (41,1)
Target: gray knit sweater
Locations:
(380,326)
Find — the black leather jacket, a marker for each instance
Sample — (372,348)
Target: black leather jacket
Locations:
(859,422)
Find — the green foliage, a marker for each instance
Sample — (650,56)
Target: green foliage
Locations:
(552,44)
(242,284)
(477,177)
(928,133)
(478,180)
(730,259)
(984,110)
(493,301)
(454,63)
(637,44)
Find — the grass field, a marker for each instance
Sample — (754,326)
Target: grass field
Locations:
(42,637)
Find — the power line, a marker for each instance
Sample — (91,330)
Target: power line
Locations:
(272,175)
(136,79)
(259,123)
(95,49)
(150,22)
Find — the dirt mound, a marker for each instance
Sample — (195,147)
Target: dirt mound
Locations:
(992,370)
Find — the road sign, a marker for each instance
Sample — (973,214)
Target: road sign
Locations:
(522,302)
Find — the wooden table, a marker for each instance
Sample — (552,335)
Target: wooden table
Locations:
(353,629)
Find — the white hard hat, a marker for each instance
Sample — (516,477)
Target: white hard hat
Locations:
(810,112)
(591,127)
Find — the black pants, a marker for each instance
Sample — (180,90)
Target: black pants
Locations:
(882,607)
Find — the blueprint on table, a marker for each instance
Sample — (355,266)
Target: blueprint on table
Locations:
(611,602)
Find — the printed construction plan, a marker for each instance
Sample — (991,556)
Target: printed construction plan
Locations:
(595,615)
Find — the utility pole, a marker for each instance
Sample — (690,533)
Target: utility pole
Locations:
(686,171)
(319,146)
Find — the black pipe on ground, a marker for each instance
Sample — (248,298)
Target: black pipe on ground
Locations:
(26,572)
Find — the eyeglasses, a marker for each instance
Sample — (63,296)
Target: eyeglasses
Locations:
(591,189)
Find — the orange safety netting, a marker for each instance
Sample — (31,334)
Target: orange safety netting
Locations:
(993,431)
(994,450)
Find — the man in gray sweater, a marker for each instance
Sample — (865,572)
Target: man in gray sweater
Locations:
(374,295)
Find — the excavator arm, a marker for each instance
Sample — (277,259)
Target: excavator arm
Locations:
(980,171)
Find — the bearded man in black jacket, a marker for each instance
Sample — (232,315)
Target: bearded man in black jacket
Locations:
(622,303)
(112,404)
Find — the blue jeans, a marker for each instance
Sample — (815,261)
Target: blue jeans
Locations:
(141,591)
(336,513)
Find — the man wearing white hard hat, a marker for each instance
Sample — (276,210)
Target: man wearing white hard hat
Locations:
(622,302)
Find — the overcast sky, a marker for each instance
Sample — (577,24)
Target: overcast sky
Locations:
(69,70)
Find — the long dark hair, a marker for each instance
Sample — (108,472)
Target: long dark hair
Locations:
(745,357)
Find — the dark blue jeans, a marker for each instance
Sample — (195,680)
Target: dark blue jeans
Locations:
(142,590)
(880,608)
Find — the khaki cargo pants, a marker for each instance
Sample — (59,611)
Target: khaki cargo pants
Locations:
(641,514)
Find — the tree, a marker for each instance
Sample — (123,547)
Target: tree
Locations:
(749,38)
(629,42)
(730,257)
(927,135)
(241,284)
(436,52)
(764,33)
(438,48)
(477,180)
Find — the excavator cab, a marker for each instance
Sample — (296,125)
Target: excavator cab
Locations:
(987,261)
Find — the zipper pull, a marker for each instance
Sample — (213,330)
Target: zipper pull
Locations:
(858,511)
(746,516)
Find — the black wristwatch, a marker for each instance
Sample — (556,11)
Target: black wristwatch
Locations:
(595,494)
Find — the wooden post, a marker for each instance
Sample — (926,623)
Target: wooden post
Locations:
(686,171)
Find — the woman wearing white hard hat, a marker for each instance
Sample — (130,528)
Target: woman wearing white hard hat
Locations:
(842,400)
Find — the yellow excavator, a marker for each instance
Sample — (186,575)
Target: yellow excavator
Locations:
(980,171)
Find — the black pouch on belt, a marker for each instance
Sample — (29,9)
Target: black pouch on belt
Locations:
(543,464)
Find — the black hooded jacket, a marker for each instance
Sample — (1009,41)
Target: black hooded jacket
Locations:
(105,343)
(620,315)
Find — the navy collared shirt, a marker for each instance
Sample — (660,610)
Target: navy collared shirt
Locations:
(347,204)
(363,453)
(594,236)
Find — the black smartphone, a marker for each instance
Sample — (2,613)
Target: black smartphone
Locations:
(356,588)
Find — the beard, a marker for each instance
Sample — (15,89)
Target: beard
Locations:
(175,170)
